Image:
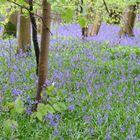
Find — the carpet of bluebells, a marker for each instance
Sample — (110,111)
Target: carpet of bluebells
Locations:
(99,80)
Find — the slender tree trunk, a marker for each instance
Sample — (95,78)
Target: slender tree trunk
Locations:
(34,35)
(97,24)
(24,33)
(129,17)
(84,29)
(45,40)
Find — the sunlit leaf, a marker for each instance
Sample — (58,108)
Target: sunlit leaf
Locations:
(19,105)
(82,21)
(68,15)
(60,106)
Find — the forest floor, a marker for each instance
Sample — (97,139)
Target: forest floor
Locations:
(107,33)
(99,84)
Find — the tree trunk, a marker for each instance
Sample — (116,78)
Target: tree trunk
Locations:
(34,35)
(24,33)
(96,27)
(84,29)
(128,21)
(39,21)
(45,40)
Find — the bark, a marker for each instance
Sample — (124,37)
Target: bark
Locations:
(45,40)
(85,31)
(24,35)
(39,21)
(34,35)
(96,27)
(129,17)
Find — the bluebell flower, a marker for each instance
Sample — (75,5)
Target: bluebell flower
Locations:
(71,107)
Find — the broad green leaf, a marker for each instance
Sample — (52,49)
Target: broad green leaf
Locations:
(50,90)
(53,100)
(50,109)
(68,15)
(42,108)
(19,105)
(39,116)
(82,21)
(60,106)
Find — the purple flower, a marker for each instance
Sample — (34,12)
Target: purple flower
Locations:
(53,119)
(88,119)
(122,129)
(108,136)
(71,107)
(16,92)
(12,78)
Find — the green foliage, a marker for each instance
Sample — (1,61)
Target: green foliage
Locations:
(54,105)
(82,21)
(16,107)
(19,105)
(67,9)
(107,108)
(3,1)
(68,15)
(9,127)
(43,110)
(10,29)
(60,106)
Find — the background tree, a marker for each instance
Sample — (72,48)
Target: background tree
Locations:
(97,24)
(24,33)
(128,20)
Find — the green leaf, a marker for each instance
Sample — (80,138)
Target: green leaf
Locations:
(9,106)
(82,21)
(50,90)
(19,105)
(50,109)
(3,1)
(68,15)
(39,116)
(42,109)
(63,1)
(23,2)
(60,106)
(9,125)
(53,100)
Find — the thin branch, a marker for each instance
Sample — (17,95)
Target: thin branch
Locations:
(24,7)
(106,7)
